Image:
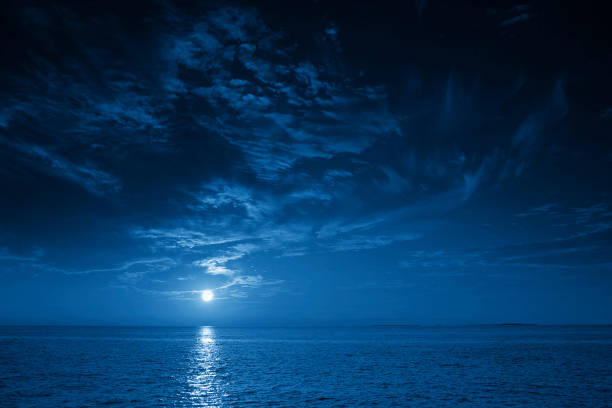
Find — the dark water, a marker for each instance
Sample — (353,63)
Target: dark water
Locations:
(389,366)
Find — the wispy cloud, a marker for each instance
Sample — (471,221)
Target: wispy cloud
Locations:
(516,14)
(250,281)
(533,125)
(9,256)
(516,19)
(542,209)
(183,238)
(220,195)
(357,242)
(88,176)
(552,255)
(217,265)
(581,221)
(188,295)
(132,268)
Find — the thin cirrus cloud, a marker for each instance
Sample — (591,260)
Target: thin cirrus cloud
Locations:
(595,216)
(182,238)
(578,243)
(147,265)
(88,176)
(548,256)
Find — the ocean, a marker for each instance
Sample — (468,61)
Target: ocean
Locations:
(485,366)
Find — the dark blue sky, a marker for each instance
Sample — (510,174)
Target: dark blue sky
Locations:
(311,162)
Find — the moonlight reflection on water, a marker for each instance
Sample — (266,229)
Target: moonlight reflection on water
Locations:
(205,383)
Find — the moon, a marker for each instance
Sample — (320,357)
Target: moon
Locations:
(207,295)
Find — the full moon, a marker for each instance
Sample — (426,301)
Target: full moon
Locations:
(207,295)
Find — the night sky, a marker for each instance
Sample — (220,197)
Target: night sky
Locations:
(435,162)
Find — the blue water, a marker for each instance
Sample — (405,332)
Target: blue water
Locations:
(309,367)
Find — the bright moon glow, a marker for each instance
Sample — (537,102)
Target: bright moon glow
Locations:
(207,295)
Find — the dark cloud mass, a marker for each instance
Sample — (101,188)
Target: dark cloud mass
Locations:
(314,161)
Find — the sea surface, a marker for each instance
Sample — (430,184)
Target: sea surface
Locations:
(488,366)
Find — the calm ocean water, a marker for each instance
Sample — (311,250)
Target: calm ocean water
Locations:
(309,367)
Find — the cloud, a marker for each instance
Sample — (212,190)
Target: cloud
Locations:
(9,256)
(393,182)
(577,253)
(191,295)
(519,13)
(258,146)
(183,238)
(250,281)
(217,265)
(516,19)
(535,123)
(223,196)
(272,108)
(471,183)
(395,284)
(337,227)
(92,179)
(93,96)
(593,217)
(357,243)
(420,6)
(542,209)
(293,252)
(144,266)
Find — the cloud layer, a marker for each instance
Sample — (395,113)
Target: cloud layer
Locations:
(226,147)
